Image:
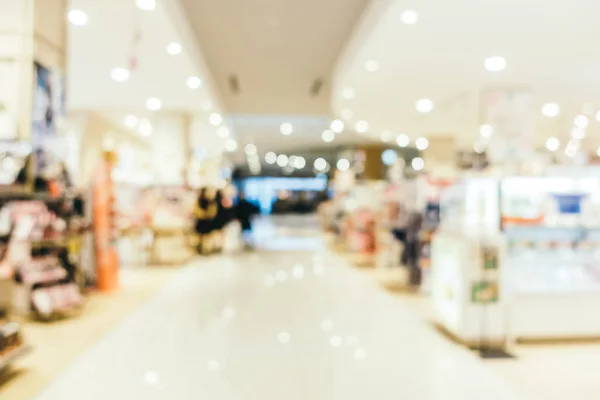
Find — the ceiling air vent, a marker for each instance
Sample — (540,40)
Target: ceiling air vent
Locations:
(234,84)
(316,86)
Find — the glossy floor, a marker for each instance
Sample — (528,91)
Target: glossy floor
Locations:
(291,321)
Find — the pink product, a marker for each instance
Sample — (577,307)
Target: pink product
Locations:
(56,298)
(42,270)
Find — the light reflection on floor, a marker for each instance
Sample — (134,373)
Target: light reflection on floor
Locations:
(294,324)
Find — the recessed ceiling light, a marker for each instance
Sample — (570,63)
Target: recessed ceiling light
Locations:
(250,149)
(581,121)
(552,144)
(78,17)
(417,163)
(270,158)
(131,121)
(223,132)
(409,17)
(495,64)
(120,74)
(424,106)
(194,82)
(286,128)
(215,119)
(343,164)
(403,140)
(337,126)
(486,130)
(348,93)
(550,110)
(320,164)
(231,145)
(362,126)
(174,48)
(299,162)
(372,65)
(346,113)
(386,136)
(145,127)
(422,143)
(282,160)
(328,136)
(153,104)
(146,5)
(206,105)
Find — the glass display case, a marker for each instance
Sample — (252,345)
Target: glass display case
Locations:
(547,232)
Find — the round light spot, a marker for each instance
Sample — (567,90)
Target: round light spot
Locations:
(327,325)
(337,126)
(403,140)
(146,5)
(320,164)
(229,313)
(362,126)
(348,93)
(282,160)
(495,64)
(194,82)
(298,272)
(250,149)
(581,121)
(131,121)
(299,163)
(174,48)
(486,130)
(120,74)
(389,157)
(551,110)
(372,65)
(213,365)
(270,158)
(153,104)
(336,341)
(286,129)
(284,337)
(424,106)
(78,17)
(343,164)
(223,132)
(422,143)
(552,144)
(231,145)
(151,378)
(409,17)
(360,354)
(328,136)
(418,164)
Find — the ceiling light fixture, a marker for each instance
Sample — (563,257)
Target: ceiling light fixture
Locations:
(146,5)
(495,64)
(282,160)
(372,65)
(362,126)
(417,163)
(424,106)
(231,145)
(286,129)
(174,48)
(328,136)
(343,164)
(153,104)
(131,121)
(389,157)
(422,143)
(194,82)
(581,121)
(550,110)
(337,126)
(215,119)
(486,130)
(120,74)
(403,140)
(552,144)
(270,158)
(78,17)
(348,93)
(409,17)
(320,164)
(299,162)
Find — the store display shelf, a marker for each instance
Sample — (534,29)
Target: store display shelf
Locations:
(12,355)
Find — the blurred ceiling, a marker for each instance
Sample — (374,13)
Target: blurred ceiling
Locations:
(548,46)
(273,56)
